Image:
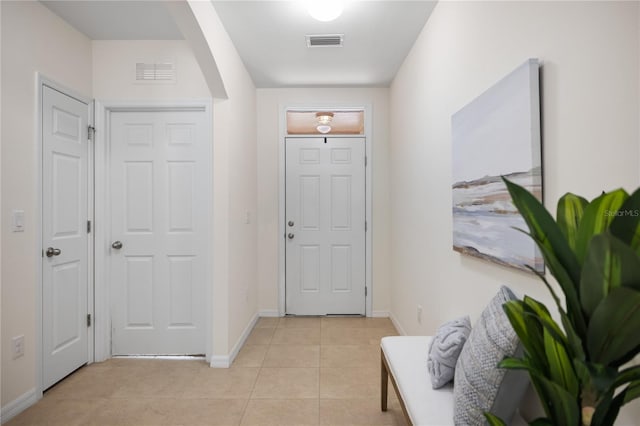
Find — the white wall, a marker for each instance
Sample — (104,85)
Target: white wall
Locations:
(114,65)
(590,93)
(270,103)
(33,40)
(235,190)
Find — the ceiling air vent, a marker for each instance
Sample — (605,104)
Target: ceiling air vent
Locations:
(325,40)
(159,73)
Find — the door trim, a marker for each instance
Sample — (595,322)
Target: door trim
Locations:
(368,135)
(102,218)
(41,81)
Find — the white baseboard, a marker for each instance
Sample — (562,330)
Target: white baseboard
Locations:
(380,314)
(220,361)
(18,405)
(225,361)
(397,325)
(269,313)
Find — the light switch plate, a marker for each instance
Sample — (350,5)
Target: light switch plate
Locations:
(17,220)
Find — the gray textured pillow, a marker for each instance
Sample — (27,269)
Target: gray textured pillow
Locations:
(445,348)
(479,385)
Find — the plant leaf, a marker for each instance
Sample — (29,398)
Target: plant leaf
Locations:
(609,264)
(627,375)
(530,336)
(632,391)
(568,215)
(582,371)
(573,340)
(614,325)
(607,410)
(494,420)
(555,249)
(512,363)
(596,219)
(597,377)
(542,314)
(560,368)
(534,327)
(628,357)
(563,407)
(626,226)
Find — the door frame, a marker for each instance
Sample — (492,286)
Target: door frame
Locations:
(368,136)
(104,109)
(41,82)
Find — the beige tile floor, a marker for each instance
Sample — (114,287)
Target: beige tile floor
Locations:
(291,371)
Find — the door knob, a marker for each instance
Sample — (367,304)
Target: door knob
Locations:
(117,245)
(290,223)
(290,236)
(52,252)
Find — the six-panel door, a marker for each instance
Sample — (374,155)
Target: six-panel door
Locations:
(325,226)
(65,277)
(159,214)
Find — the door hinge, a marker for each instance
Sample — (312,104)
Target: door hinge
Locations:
(88,227)
(365,161)
(88,320)
(91,132)
(365,291)
(366,226)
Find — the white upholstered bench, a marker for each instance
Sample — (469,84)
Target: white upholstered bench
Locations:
(404,361)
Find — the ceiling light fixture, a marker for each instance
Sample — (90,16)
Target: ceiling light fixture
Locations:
(324,121)
(325,10)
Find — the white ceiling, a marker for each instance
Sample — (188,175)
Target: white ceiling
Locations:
(270,36)
(117,20)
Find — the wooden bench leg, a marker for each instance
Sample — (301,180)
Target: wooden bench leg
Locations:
(384,385)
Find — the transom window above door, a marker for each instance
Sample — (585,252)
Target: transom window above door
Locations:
(319,122)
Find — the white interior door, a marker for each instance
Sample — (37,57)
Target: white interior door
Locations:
(325,229)
(159,183)
(65,277)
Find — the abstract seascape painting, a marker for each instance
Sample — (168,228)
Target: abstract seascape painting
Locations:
(497,134)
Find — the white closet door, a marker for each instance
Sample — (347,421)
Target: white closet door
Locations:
(65,278)
(159,168)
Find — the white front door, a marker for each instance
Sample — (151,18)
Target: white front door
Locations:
(159,183)
(65,205)
(325,226)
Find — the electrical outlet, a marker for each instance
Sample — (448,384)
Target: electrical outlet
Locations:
(419,314)
(18,346)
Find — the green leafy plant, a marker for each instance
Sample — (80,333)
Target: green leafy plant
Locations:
(593,251)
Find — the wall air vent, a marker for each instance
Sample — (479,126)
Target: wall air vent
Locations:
(164,72)
(325,40)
